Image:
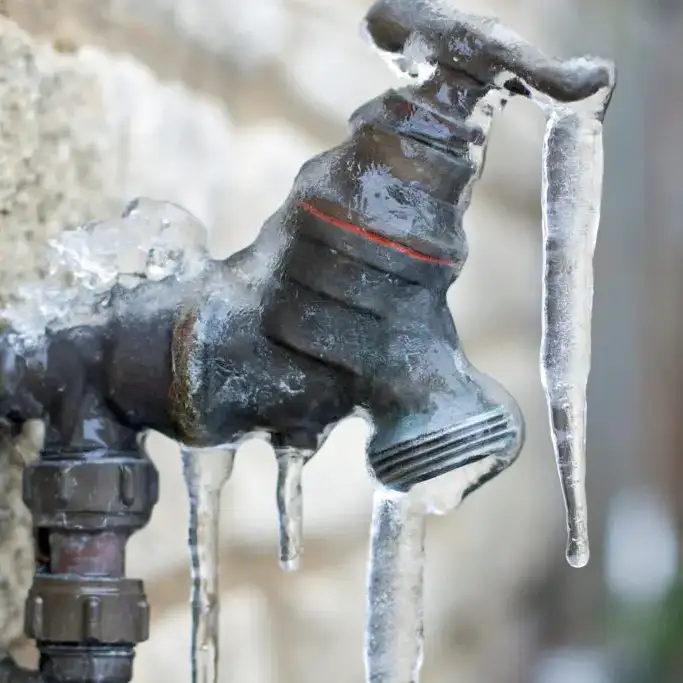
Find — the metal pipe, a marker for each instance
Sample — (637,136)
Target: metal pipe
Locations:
(84,614)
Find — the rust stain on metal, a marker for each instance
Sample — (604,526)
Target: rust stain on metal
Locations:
(181,394)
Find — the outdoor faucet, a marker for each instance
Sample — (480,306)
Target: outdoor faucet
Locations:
(338,305)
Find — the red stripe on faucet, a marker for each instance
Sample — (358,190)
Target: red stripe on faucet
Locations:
(373,236)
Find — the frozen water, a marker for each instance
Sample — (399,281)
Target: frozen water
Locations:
(572,189)
(290,463)
(206,471)
(394,627)
(152,240)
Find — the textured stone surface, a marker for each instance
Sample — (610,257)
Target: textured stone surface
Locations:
(52,158)
(16,542)
(52,149)
(169,144)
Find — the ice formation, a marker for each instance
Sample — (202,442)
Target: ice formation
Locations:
(290,463)
(152,240)
(394,630)
(206,472)
(572,189)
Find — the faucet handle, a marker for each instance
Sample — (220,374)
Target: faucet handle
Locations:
(483,48)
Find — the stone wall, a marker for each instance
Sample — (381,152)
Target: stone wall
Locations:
(215,104)
(53,173)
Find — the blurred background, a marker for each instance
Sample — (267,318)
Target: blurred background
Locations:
(214,104)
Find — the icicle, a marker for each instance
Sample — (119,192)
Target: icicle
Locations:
(572,187)
(290,463)
(205,471)
(394,628)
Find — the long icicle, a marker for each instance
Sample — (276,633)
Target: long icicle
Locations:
(572,188)
(394,627)
(206,471)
